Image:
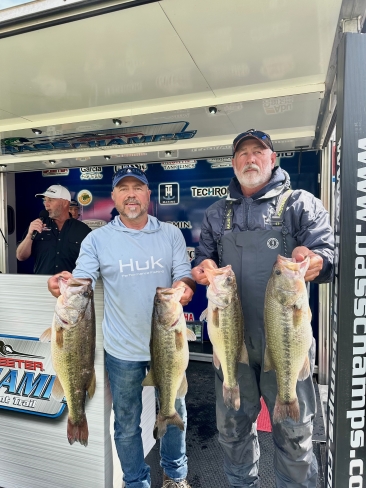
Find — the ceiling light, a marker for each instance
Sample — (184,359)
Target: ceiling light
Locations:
(168,153)
(37,131)
(52,161)
(107,157)
(212,110)
(117,122)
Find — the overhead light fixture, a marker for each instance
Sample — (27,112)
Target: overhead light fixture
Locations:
(52,161)
(117,122)
(212,110)
(168,153)
(37,131)
(107,157)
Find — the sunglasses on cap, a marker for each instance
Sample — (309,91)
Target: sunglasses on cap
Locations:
(255,134)
(129,171)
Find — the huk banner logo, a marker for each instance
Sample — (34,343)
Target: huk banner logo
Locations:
(27,377)
(169,193)
(167,133)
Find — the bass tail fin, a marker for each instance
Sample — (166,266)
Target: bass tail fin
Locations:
(78,432)
(162,422)
(231,396)
(284,410)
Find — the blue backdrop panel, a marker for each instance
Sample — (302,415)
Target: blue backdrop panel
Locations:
(181,192)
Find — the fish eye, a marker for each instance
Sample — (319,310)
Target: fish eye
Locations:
(86,294)
(158,301)
(278,272)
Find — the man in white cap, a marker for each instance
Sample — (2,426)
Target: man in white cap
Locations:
(54,238)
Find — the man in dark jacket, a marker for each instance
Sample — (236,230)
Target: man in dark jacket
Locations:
(53,240)
(261,218)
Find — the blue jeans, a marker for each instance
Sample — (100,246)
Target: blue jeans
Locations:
(125,378)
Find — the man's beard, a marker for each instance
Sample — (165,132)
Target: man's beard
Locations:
(133,214)
(252,180)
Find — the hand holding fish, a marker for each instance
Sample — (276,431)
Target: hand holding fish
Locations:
(53,283)
(188,292)
(316,261)
(199,272)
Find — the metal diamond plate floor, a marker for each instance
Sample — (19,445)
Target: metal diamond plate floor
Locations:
(203,449)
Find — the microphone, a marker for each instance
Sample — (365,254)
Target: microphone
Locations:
(43,214)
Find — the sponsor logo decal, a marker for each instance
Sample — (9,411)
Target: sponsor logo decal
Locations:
(91,173)
(95,224)
(168,193)
(55,172)
(273,243)
(189,316)
(84,197)
(166,133)
(278,105)
(213,191)
(188,164)
(220,162)
(27,377)
(181,224)
(191,253)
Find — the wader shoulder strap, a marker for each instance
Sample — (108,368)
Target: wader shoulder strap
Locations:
(226,226)
(277,217)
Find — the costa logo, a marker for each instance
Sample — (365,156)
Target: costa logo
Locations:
(191,253)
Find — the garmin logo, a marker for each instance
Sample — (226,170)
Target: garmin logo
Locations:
(181,224)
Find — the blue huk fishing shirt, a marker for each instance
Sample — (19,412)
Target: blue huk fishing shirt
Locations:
(132,264)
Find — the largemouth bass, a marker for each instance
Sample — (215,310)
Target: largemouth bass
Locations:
(287,318)
(225,325)
(169,356)
(72,338)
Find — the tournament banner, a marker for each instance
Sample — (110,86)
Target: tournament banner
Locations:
(181,192)
(346,453)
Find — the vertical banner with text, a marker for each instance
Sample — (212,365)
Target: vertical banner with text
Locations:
(346,453)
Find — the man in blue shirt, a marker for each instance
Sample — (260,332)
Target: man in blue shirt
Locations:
(134,254)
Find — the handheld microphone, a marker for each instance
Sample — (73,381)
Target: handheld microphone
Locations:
(43,214)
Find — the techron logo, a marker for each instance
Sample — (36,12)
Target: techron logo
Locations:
(213,191)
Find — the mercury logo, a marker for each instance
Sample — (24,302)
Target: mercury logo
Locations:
(273,243)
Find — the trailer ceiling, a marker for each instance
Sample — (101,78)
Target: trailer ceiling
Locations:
(263,64)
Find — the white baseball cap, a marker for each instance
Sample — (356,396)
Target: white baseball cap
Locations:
(56,191)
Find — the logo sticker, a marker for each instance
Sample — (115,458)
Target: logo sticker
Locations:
(191,253)
(181,224)
(188,164)
(273,243)
(142,166)
(27,377)
(168,193)
(84,197)
(55,172)
(91,173)
(214,191)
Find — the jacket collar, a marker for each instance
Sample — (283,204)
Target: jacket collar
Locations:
(280,181)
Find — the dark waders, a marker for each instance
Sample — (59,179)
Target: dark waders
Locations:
(252,255)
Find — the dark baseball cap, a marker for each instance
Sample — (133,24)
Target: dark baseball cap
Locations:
(262,137)
(74,203)
(129,171)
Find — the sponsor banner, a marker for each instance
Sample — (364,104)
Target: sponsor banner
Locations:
(91,173)
(191,253)
(213,191)
(27,377)
(84,197)
(169,193)
(55,172)
(181,225)
(142,166)
(95,224)
(183,164)
(166,133)
(189,316)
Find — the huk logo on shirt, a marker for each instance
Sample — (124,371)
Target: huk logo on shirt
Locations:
(133,268)
(169,193)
